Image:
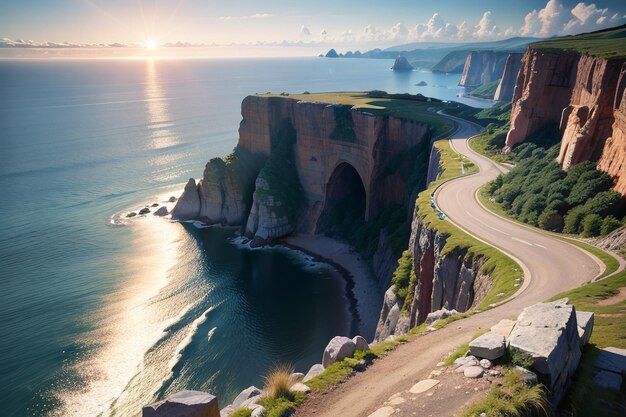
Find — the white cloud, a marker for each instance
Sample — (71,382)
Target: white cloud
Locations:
(245,17)
(305,31)
(486,28)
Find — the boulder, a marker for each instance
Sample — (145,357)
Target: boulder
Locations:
(131,214)
(184,404)
(526,376)
(300,387)
(361,343)
(244,395)
(188,205)
(485,363)
(161,211)
(488,346)
(338,348)
(473,372)
(251,402)
(144,210)
(297,376)
(503,327)
(315,370)
(439,315)
(608,380)
(172,199)
(226,411)
(547,334)
(611,359)
(584,319)
(155,204)
(260,411)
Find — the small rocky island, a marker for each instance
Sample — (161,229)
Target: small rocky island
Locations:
(402,64)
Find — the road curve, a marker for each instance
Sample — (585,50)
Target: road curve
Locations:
(550,266)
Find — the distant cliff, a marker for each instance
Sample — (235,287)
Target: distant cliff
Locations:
(482,67)
(401,64)
(585,96)
(506,87)
(297,160)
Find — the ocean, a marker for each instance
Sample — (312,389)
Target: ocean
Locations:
(100,316)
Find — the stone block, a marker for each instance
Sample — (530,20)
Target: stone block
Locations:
(488,346)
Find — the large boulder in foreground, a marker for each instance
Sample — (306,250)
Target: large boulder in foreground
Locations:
(339,347)
(188,205)
(489,346)
(547,335)
(184,404)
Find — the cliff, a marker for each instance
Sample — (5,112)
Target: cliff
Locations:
(482,67)
(584,96)
(506,87)
(402,64)
(296,160)
(453,62)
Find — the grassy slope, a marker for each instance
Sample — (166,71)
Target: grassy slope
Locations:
(609,43)
(485,91)
(502,269)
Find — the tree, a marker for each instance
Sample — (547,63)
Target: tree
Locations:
(592,225)
(551,220)
(573,220)
(609,224)
(605,202)
(588,185)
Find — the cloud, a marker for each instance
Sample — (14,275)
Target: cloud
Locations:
(324,34)
(555,19)
(21,43)
(305,31)
(245,17)
(486,28)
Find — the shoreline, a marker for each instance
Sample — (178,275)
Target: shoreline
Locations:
(362,290)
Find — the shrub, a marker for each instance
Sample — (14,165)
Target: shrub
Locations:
(588,185)
(605,202)
(609,224)
(573,220)
(402,274)
(551,220)
(592,224)
(278,382)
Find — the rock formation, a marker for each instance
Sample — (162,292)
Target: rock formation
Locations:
(585,97)
(321,141)
(184,404)
(332,54)
(482,67)
(402,64)
(505,89)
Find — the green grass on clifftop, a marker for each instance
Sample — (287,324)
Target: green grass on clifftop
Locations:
(608,43)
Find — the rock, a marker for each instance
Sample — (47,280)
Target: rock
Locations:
(300,387)
(144,210)
(547,334)
(332,54)
(172,199)
(315,370)
(338,348)
(188,205)
(267,220)
(608,380)
(402,64)
(439,315)
(526,376)
(226,411)
(473,372)
(423,386)
(131,214)
(503,327)
(505,89)
(251,402)
(488,346)
(297,376)
(584,319)
(260,411)
(485,363)
(361,343)
(493,372)
(184,404)
(611,359)
(244,395)
(389,314)
(465,360)
(482,67)
(155,204)
(162,211)
(421,84)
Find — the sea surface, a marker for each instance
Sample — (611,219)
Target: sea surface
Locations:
(99,316)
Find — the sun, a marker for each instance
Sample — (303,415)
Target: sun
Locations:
(150,44)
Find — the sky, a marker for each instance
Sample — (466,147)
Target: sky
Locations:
(287,27)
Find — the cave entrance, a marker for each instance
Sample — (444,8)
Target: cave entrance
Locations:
(346,201)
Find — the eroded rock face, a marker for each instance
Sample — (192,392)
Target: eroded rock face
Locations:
(402,64)
(505,89)
(266,221)
(483,67)
(184,404)
(547,333)
(584,96)
(188,205)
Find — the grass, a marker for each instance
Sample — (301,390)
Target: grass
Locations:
(491,142)
(485,91)
(241,412)
(609,329)
(513,399)
(503,270)
(608,43)
(278,382)
(610,263)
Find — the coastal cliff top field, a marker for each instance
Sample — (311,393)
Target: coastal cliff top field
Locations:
(608,43)
(406,106)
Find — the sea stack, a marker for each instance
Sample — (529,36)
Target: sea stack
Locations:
(332,54)
(402,64)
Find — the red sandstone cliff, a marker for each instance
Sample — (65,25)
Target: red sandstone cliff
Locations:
(584,95)
(482,67)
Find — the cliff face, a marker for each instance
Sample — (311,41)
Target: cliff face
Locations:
(482,67)
(505,89)
(442,279)
(321,138)
(584,96)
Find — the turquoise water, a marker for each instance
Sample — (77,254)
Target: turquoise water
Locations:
(99,316)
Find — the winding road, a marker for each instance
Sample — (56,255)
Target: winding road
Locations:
(550,267)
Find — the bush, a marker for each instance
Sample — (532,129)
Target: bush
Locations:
(592,224)
(605,202)
(609,224)
(574,219)
(551,220)
(588,185)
